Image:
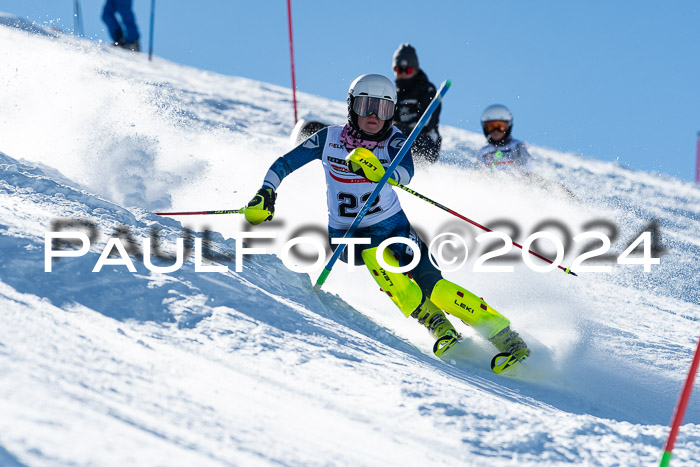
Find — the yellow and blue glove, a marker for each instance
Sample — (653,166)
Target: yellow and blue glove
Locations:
(363,162)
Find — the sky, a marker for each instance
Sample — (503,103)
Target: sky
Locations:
(615,81)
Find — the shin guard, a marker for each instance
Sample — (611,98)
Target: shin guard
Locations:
(402,290)
(466,306)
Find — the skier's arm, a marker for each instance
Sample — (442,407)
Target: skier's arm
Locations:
(309,150)
(262,206)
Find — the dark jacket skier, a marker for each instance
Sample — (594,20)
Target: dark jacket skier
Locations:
(414,93)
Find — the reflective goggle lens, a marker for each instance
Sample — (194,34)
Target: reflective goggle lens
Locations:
(365,106)
(404,69)
(496,125)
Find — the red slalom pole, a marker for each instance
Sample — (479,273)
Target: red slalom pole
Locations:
(680,408)
(476,224)
(291,54)
(200,213)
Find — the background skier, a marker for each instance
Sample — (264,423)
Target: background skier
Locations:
(502,150)
(414,93)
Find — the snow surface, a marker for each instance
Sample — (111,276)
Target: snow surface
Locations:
(253,367)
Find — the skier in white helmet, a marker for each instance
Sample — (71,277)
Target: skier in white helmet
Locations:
(354,158)
(503,151)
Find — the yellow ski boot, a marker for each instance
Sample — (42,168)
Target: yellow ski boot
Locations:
(434,319)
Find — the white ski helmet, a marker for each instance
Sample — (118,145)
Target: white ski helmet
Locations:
(497,113)
(369,94)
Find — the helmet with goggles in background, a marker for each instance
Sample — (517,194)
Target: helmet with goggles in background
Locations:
(497,117)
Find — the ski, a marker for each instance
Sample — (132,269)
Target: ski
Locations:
(504,361)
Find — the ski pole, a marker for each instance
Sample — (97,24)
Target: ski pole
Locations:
(446,209)
(385,178)
(194,213)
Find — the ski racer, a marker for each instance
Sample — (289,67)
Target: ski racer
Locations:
(503,151)
(354,157)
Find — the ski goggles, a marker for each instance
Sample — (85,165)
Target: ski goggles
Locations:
(499,125)
(364,106)
(404,69)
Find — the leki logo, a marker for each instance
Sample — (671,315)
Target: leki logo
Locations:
(464,306)
(386,278)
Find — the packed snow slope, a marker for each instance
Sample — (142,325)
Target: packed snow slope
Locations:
(127,366)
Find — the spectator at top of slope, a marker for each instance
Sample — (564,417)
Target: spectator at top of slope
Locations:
(125,33)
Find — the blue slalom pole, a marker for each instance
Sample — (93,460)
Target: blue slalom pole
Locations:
(150,33)
(78,19)
(389,172)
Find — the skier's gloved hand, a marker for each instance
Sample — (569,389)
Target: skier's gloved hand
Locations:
(363,162)
(261,207)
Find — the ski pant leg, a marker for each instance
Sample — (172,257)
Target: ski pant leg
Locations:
(110,19)
(131,31)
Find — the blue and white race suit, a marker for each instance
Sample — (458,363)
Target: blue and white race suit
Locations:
(513,154)
(346,192)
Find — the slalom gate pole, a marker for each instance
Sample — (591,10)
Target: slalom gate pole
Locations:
(291,54)
(195,213)
(680,408)
(385,178)
(446,209)
(78,19)
(697,161)
(150,33)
